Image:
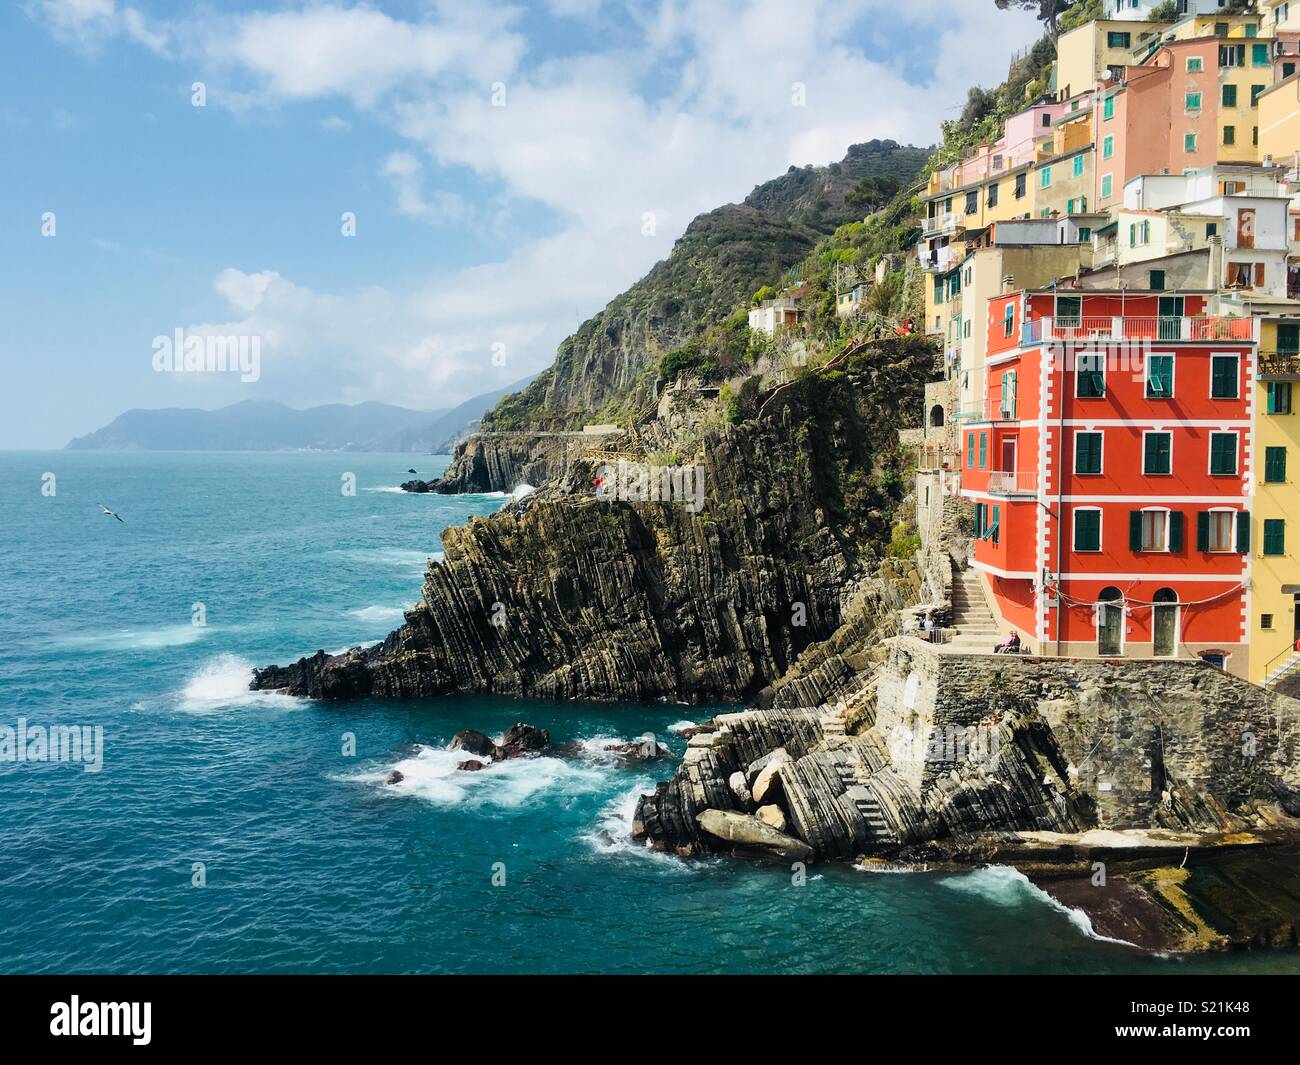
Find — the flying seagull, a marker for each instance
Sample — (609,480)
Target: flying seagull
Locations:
(112,513)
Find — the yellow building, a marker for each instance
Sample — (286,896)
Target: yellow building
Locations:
(1084,53)
(1275,508)
(1216,25)
(1245,75)
(1279,120)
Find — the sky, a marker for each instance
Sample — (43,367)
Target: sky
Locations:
(404,201)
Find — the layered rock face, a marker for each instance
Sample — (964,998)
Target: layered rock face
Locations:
(937,754)
(500,462)
(569,596)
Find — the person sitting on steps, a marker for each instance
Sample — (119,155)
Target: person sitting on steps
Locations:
(1009,646)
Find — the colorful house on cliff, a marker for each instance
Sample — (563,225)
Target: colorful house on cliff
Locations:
(1110,471)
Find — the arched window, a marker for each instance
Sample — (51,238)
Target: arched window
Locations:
(936,416)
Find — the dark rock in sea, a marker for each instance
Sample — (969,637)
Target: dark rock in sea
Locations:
(474,742)
(395,777)
(472,765)
(521,740)
(416,485)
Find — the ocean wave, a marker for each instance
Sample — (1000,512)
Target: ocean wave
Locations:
(430,773)
(678,727)
(222,684)
(379,613)
(397,557)
(612,833)
(134,639)
(1007,886)
(389,488)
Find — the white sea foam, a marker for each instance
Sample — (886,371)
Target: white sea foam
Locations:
(678,727)
(522,490)
(430,773)
(135,639)
(396,557)
(378,613)
(612,833)
(389,488)
(1005,885)
(222,684)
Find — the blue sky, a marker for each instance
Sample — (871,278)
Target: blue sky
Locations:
(484,233)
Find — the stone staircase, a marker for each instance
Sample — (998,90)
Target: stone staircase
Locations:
(1285,679)
(976,628)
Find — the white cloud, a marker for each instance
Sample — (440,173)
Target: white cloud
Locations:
(335,124)
(692,114)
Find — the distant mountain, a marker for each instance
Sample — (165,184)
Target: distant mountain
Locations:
(263,425)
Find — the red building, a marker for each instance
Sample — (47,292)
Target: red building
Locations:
(1110,472)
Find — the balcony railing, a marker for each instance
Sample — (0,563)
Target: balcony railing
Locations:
(1013,482)
(940,222)
(1088,328)
(1279,366)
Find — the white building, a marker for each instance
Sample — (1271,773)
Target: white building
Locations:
(1140,10)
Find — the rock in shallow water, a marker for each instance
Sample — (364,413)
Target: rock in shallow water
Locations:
(751,837)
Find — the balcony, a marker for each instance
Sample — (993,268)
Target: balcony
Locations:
(1013,483)
(940,223)
(1279,366)
(1086,329)
(938,261)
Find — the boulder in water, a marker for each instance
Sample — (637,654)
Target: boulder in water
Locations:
(751,837)
(473,742)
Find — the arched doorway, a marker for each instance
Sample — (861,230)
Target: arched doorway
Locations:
(1164,624)
(1110,623)
(936,416)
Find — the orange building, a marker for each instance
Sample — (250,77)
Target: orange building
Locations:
(1110,472)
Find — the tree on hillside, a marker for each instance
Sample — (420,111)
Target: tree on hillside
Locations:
(873,193)
(1049,11)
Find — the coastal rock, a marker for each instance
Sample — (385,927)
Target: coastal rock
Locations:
(752,837)
(472,765)
(578,598)
(395,777)
(767,774)
(520,740)
(418,486)
(740,789)
(647,750)
(772,815)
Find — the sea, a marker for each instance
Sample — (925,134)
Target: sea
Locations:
(212,829)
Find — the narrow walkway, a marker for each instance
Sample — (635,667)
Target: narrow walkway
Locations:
(976,629)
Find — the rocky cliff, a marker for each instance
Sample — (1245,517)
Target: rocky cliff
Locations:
(569,595)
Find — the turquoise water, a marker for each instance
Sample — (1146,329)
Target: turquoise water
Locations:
(312,862)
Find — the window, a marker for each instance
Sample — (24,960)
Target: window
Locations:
(972,202)
(987,521)
(1087,452)
(1195,64)
(1157,281)
(1223,376)
(1107,186)
(1251,30)
(1021,186)
(1155,530)
(1047,119)
(1160,376)
(1139,234)
(1255,92)
(1090,375)
(1229,134)
(1220,29)
(1274,536)
(1192,101)
(1215,528)
(1046,181)
(1211,229)
(1119,39)
(1078,166)
(970,451)
(993,194)
(1266,621)
(984,451)
(1189,142)
(1223,454)
(1108,108)
(1085,234)
(1157,453)
(1107,146)
(1230,96)
(1254,136)
(1087,530)
(1259,55)
(1275,465)
(1288,69)
(1009,388)
(1008,319)
(1069,311)
(1279,397)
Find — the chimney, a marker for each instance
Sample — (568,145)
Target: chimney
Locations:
(1216,278)
(1008,284)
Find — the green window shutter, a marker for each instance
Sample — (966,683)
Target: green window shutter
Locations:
(984,450)
(1259,56)
(1279,397)
(970,450)
(1243,532)
(1274,536)
(1157,280)
(1288,338)
(1275,465)
(1087,530)
(1156,454)
(1230,96)
(1203,530)
(1135,530)
(1175,530)
(1160,372)
(1223,454)
(1224,377)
